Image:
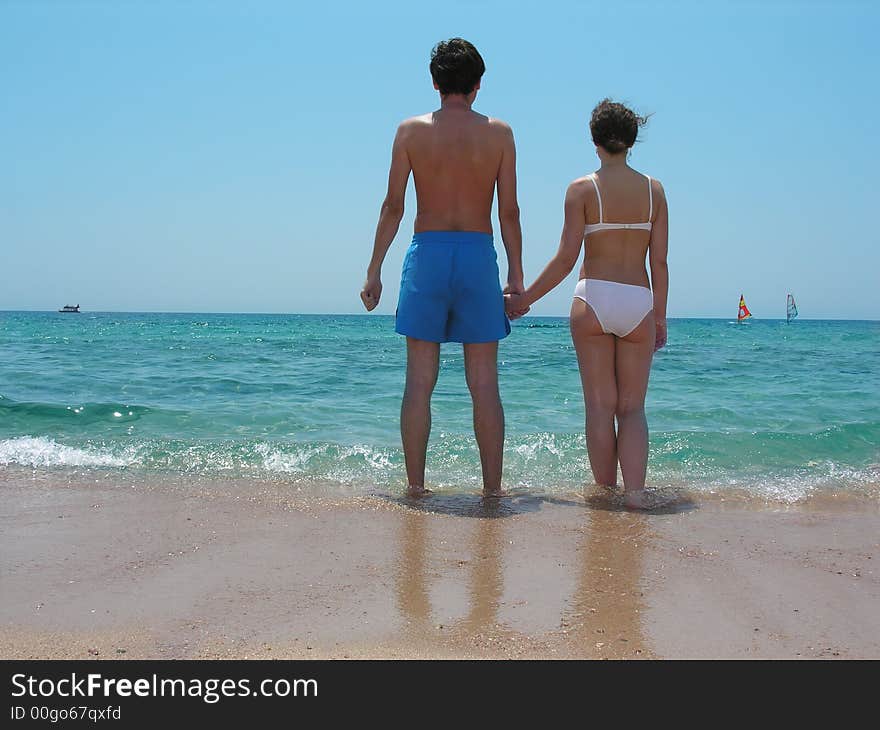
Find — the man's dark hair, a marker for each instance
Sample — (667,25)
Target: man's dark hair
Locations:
(615,127)
(456,66)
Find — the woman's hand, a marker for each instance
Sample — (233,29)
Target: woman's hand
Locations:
(514,305)
(372,292)
(660,336)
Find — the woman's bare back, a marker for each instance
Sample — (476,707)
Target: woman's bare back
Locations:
(618,255)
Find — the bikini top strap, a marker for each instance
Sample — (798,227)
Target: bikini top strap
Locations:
(650,199)
(598,195)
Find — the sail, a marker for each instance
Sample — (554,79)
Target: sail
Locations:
(744,312)
(790,308)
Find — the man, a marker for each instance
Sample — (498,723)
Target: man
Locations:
(450,291)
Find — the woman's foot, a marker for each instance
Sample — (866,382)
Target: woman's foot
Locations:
(637,499)
(495,493)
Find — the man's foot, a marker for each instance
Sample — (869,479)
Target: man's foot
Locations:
(637,499)
(495,493)
(415,492)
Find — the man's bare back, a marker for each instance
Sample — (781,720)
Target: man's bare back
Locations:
(458,158)
(456,155)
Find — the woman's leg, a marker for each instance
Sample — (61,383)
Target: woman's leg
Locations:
(633,366)
(595,353)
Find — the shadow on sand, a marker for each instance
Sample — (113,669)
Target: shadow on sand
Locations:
(662,501)
(464,504)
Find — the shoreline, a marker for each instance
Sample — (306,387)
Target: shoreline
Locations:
(92,570)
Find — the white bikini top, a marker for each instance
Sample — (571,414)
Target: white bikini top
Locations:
(603,226)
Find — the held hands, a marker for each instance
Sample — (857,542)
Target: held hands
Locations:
(372,292)
(513,300)
(513,306)
(660,337)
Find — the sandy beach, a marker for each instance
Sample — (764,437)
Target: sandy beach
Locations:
(107,568)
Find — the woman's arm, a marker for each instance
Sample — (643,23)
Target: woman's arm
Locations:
(657,250)
(566,256)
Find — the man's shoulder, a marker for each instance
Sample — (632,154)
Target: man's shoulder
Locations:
(499,126)
(413,124)
(417,120)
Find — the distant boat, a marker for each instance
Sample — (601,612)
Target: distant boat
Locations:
(790,308)
(69,308)
(744,312)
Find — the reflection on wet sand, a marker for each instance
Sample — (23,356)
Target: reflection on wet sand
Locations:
(422,563)
(607,608)
(486,584)
(597,570)
(411,587)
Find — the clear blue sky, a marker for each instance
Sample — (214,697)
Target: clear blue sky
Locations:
(208,156)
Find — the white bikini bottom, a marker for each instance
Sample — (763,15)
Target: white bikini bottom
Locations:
(620,308)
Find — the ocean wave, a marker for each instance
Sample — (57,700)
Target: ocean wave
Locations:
(328,460)
(33,414)
(46,452)
(545,462)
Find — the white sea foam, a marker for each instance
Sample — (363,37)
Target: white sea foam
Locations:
(543,462)
(46,452)
(333,461)
(286,462)
(542,445)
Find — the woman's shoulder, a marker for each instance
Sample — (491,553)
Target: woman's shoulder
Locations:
(581,184)
(657,189)
(656,186)
(655,182)
(581,191)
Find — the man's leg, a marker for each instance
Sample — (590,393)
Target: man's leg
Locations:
(481,370)
(422,365)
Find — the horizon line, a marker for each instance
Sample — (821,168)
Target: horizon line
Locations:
(370,314)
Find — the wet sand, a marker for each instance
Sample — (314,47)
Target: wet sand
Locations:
(108,569)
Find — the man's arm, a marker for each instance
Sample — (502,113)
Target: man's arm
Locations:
(389,218)
(508,212)
(566,256)
(657,251)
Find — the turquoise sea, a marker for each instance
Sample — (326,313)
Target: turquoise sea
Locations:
(764,409)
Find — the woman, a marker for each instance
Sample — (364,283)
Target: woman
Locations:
(617,322)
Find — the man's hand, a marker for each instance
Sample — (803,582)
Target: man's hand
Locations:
(372,292)
(660,337)
(515,285)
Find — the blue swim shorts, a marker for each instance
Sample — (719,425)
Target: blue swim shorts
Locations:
(449,289)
